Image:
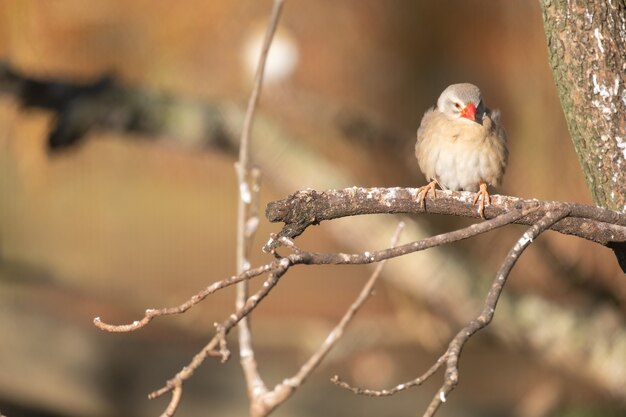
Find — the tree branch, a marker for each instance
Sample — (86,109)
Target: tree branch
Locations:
(400,387)
(276,270)
(387,201)
(489,308)
(280,266)
(270,400)
(247,216)
(451,357)
(305,208)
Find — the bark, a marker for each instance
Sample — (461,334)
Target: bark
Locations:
(305,208)
(587,48)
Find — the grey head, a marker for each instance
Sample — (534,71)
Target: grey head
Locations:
(460,101)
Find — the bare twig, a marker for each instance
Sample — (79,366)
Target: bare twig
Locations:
(247,213)
(201,295)
(223,329)
(247,359)
(454,349)
(316,258)
(281,392)
(244,151)
(400,387)
(452,354)
(247,222)
(177,394)
(305,208)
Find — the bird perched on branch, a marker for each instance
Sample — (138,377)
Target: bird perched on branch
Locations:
(461,145)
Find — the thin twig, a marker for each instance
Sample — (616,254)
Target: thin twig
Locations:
(244,151)
(456,345)
(177,394)
(247,359)
(223,329)
(367,257)
(451,356)
(313,258)
(247,213)
(270,400)
(195,299)
(391,391)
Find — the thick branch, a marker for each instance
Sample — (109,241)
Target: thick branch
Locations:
(304,208)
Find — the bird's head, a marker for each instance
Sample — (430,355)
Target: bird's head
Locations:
(462,101)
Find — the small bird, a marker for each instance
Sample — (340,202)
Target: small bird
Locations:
(461,145)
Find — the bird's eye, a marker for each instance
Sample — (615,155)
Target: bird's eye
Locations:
(457,105)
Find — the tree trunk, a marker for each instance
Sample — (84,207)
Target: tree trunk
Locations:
(587,49)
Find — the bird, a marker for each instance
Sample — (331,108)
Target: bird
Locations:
(461,145)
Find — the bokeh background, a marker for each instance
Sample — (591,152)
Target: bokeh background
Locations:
(118,131)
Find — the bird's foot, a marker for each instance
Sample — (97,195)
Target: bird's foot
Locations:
(423,190)
(483,194)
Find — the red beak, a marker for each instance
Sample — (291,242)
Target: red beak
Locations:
(469,112)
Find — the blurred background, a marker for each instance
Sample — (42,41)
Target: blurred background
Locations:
(119,124)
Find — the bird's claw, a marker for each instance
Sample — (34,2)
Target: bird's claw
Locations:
(483,194)
(423,191)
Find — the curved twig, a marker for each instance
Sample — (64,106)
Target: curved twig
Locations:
(400,387)
(195,299)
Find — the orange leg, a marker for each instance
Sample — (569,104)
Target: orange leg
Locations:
(483,194)
(423,190)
